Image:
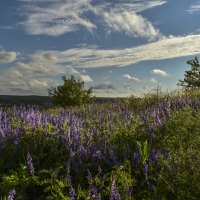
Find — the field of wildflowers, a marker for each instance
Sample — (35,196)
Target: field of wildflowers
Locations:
(110,151)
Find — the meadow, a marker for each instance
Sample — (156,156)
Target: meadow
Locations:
(130,149)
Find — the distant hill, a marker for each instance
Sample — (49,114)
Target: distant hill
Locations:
(45,101)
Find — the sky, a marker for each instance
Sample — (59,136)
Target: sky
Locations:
(118,47)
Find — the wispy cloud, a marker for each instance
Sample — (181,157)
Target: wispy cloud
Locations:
(7,27)
(7,57)
(194,8)
(159,72)
(86,78)
(47,17)
(34,83)
(93,57)
(131,24)
(55,17)
(131,78)
(53,64)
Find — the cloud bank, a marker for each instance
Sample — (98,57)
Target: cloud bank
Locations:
(93,57)
(7,57)
(34,69)
(54,18)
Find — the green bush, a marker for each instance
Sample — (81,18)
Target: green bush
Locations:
(71,93)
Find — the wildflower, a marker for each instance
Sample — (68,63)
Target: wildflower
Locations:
(95,194)
(136,157)
(150,186)
(97,154)
(114,194)
(30,165)
(154,156)
(100,170)
(89,177)
(146,170)
(72,193)
(111,126)
(11,194)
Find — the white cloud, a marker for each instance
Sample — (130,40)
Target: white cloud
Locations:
(55,17)
(16,73)
(17,83)
(86,78)
(44,57)
(47,68)
(38,84)
(194,8)
(72,61)
(131,24)
(131,78)
(7,57)
(167,48)
(62,16)
(159,72)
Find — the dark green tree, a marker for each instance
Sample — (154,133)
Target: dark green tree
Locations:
(71,93)
(192,76)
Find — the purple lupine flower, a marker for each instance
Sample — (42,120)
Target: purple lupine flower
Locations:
(150,186)
(100,172)
(146,170)
(114,194)
(136,158)
(97,154)
(154,156)
(111,127)
(72,193)
(96,195)
(187,100)
(30,164)
(89,177)
(157,119)
(11,194)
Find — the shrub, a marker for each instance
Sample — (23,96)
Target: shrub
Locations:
(71,93)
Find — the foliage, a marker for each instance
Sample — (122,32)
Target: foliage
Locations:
(71,93)
(192,76)
(102,151)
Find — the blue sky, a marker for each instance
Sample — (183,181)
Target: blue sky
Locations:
(119,47)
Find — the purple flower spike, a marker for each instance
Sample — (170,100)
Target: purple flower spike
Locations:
(89,177)
(136,158)
(30,165)
(146,170)
(150,186)
(114,194)
(11,194)
(72,193)
(96,195)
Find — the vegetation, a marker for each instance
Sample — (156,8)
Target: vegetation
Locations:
(192,76)
(71,93)
(110,151)
(145,148)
